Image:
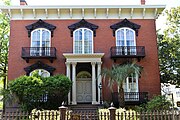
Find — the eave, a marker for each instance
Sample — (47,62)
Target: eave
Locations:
(84,12)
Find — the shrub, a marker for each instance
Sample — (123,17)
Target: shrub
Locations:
(157,103)
(37,92)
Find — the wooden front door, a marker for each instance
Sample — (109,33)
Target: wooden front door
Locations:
(84,90)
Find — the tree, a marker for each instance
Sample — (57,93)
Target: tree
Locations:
(118,74)
(169,48)
(4,41)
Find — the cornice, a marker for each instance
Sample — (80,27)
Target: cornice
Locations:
(84,12)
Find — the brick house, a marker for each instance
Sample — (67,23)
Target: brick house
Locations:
(80,41)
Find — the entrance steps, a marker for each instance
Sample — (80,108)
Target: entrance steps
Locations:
(84,108)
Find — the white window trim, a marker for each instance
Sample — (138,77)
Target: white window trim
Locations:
(125,35)
(127,84)
(41,36)
(83,41)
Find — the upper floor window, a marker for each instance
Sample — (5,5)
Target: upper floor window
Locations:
(83,41)
(40,37)
(125,37)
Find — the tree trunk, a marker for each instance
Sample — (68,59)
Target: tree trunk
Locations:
(121,97)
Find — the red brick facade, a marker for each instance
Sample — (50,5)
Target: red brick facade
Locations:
(104,40)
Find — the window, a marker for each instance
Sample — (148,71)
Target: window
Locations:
(40,42)
(130,87)
(131,84)
(83,41)
(40,72)
(125,41)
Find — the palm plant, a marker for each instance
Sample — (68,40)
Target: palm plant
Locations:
(118,74)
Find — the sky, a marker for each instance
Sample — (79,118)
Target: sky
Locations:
(160,22)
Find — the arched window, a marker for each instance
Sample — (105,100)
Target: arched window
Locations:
(125,37)
(40,42)
(125,40)
(83,41)
(40,72)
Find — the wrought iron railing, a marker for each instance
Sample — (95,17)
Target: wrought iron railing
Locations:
(136,96)
(127,51)
(38,52)
(131,97)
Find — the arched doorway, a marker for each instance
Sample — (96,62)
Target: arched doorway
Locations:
(84,87)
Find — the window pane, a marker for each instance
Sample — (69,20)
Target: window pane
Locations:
(45,35)
(87,41)
(130,37)
(35,43)
(120,38)
(36,35)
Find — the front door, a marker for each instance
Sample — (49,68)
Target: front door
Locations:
(84,90)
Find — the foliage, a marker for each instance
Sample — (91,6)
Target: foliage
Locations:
(169,50)
(4,41)
(36,92)
(157,103)
(118,74)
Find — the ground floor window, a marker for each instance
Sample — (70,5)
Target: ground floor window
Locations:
(130,86)
(40,72)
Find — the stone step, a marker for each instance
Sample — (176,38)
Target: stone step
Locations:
(84,108)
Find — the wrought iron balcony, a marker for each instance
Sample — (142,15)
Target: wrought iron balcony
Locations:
(127,52)
(38,53)
(131,98)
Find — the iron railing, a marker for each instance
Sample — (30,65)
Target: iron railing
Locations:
(38,52)
(127,51)
(133,98)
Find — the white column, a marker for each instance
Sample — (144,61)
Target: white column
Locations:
(99,80)
(68,74)
(93,83)
(74,83)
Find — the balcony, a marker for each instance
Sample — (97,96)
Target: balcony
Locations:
(131,98)
(38,53)
(127,52)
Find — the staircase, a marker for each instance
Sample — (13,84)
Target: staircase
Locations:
(84,108)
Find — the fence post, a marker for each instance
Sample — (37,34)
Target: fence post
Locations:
(62,110)
(112,113)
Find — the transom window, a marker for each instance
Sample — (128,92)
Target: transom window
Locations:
(40,72)
(83,41)
(125,37)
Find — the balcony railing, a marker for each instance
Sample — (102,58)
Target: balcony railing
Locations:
(38,53)
(127,52)
(131,98)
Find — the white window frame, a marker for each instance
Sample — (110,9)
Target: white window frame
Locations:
(120,51)
(83,45)
(127,89)
(47,53)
